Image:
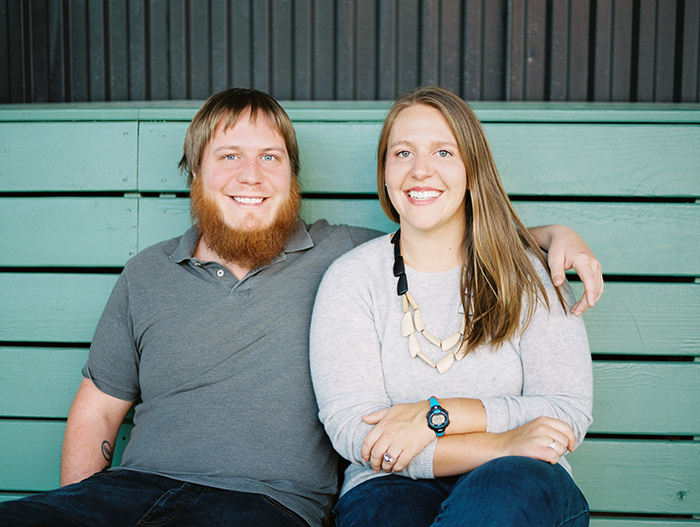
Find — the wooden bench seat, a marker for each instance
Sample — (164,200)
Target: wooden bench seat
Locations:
(83,187)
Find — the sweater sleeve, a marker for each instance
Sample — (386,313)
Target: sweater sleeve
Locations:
(346,365)
(557,374)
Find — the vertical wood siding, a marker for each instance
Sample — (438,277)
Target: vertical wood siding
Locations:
(571,50)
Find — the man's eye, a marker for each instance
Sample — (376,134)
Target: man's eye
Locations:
(269,157)
(230,157)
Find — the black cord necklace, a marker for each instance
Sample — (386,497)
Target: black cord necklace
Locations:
(411,323)
(399,268)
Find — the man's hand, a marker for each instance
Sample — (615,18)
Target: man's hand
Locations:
(567,250)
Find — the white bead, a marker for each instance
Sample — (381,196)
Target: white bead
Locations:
(418,320)
(444,363)
(462,352)
(426,359)
(411,301)
(407,325)
(432,338)
(413,345)
(450,342)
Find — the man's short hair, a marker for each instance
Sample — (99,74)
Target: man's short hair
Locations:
(228,105)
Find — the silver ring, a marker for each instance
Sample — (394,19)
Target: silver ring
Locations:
(388,459)
(552,444)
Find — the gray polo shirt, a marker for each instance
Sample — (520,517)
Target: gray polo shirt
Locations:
(221,368)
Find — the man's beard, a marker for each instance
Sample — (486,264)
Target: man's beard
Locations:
(248,248)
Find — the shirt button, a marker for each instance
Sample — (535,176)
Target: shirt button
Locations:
(220,273)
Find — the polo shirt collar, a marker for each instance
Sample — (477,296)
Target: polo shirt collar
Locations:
(300,240)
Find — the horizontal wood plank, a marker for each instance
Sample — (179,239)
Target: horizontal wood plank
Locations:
(335,157)
(164,218)
(628,238)
(597,160)
(86,156)
(161,219)
(342,111)
(30,453)
(644,398)
(631,160)
(645,319)
(645,477)
(338,157)
(160,150)
(52,307)
(39,382)
(67,231)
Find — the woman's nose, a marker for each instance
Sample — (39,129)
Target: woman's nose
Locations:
(422,167)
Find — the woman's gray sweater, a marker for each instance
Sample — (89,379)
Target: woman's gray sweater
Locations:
(360,363)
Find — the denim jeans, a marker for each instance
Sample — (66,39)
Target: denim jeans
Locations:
(127,498)
(510,491)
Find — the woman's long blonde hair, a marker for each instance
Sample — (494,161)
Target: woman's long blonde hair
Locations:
(497,273)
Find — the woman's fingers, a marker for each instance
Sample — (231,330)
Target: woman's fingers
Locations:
(542,438)
(375,417)
(569,439)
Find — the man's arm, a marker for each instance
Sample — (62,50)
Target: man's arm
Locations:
(567,250)
(91,431)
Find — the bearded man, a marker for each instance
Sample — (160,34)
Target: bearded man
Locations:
(206,336)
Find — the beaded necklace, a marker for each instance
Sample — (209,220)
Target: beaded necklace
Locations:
(412,322)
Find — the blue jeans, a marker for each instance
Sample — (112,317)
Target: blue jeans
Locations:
(510,491)
(127,498)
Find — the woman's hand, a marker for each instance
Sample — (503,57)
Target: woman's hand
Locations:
(401,432)
(542,438)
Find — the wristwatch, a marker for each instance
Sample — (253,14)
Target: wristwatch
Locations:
(438,418)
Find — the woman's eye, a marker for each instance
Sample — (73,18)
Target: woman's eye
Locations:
(444,153)
(403,153)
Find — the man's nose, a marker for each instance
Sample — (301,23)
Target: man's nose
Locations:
(250,173)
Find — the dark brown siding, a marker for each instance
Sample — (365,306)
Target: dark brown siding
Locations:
(569,50)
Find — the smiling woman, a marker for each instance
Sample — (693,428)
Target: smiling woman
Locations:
(425,175)
(475,431)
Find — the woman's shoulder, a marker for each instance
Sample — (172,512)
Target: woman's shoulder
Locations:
(546,279)
(540,269)
(365,256)
(360,268)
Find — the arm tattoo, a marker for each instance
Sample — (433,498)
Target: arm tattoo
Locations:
(107,451)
